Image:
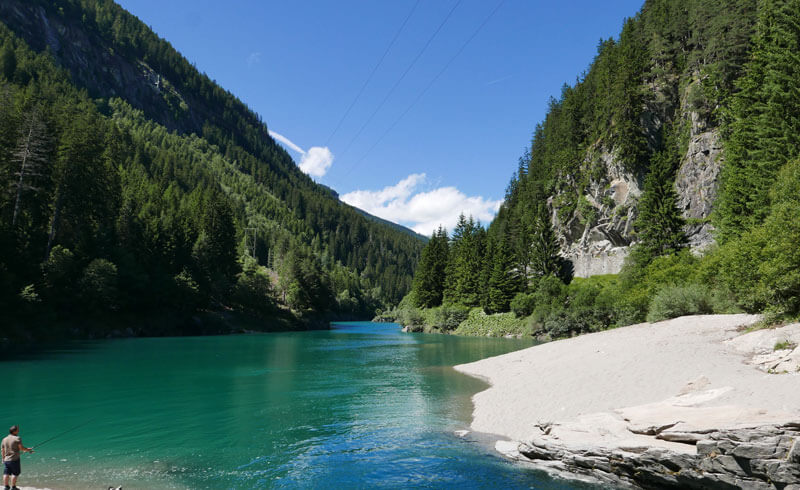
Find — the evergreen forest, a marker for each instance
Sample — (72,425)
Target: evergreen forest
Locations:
(134,187)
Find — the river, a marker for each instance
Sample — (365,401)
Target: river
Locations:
(362,405)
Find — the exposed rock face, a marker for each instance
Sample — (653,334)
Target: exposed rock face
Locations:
(598,243)
(698,178)
(766,457)
(105,72)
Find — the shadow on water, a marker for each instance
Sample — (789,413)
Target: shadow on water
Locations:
(47,350)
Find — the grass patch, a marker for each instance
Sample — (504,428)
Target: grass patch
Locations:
(785,345)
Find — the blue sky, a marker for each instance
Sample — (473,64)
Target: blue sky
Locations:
(426,155)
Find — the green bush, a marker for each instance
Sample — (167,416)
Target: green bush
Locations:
(523,304)
(412,318)
(478,323)
(762,267)
(98,285)
(675,301)
(253,290)
(447,318)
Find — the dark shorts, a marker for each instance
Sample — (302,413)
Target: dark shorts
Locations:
(12,468)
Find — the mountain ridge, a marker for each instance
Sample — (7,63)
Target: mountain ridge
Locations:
(180,151)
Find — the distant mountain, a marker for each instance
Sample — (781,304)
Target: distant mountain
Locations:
(148,183)
(391,224)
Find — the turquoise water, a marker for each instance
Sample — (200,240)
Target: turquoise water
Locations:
(360,406)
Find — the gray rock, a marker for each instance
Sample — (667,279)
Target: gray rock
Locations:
(753,458)
(794,452)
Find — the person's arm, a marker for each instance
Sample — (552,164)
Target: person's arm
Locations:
(25,449)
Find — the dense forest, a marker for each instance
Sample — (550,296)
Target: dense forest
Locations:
(730,64)
(160,194)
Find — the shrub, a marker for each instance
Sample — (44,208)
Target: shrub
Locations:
(448,318)
(411,318)
(762,267)
(675,301)
(523,304)
(253,290)
(98,285)
(478,323)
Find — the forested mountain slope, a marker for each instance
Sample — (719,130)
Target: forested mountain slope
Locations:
(136,183)
(651,105)
(668,175)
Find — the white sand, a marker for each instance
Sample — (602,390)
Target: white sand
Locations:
(698,372)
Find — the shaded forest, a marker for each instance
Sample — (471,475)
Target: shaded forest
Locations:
(169,198)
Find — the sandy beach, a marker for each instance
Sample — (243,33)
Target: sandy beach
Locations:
(665,385)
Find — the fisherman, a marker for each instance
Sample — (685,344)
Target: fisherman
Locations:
(12,448)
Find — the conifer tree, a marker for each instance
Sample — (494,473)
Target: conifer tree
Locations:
(545,258)
(765,131)
(428,285)
(660,224)
(464,263)
(504,280)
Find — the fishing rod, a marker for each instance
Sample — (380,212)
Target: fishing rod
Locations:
(63,433)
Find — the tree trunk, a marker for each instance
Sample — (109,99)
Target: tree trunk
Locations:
(54,223)
(25,154)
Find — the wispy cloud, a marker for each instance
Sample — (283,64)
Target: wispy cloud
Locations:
(286,141)
(315,162)
(253,59)
(425,210)
(498,80)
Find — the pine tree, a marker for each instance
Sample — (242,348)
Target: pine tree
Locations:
(545,258)
(765,131)
(660,224)
(428,284)
(464,263)
(504,281)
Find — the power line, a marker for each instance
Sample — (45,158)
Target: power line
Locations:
(422,93)
(391,91)
(369,78)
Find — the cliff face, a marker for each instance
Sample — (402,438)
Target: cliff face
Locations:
(648,109)
(597,236)
(103,71)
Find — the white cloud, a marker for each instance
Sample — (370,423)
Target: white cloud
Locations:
(253,59)
(316,161)
(422,211)
(286,141)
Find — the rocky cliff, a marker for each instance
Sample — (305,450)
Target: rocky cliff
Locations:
(598,234)
(104,71)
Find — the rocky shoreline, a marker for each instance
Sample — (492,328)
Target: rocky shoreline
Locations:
(693,402)
(764,457)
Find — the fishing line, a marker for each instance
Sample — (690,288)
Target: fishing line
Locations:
(422,93)
(63,433)
(360,92)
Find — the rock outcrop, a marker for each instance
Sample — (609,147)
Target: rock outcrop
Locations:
(597,236)
(105,72)
(597,241)
(766,457)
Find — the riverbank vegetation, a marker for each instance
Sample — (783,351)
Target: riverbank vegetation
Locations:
(169,200)
(738,67)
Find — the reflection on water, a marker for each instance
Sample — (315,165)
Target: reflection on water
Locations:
(361,405)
